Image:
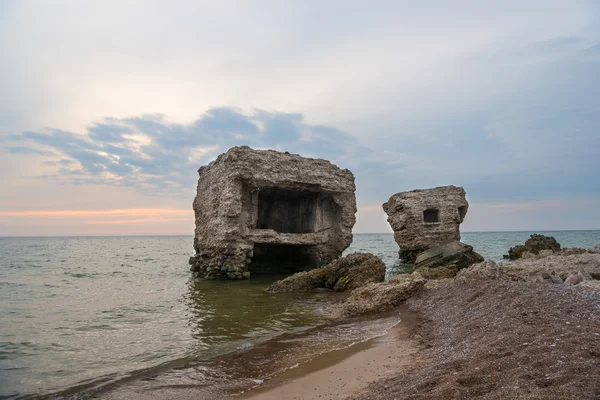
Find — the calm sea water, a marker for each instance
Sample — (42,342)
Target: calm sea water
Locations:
(80,312)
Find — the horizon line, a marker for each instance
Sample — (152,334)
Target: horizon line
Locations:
(354,233)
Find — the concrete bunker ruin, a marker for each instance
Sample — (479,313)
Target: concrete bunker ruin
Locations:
(263,211)
(426,218)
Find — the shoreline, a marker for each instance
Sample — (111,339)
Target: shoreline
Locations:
(341,373)
(490,339)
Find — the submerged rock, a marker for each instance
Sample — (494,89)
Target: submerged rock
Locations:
(263,211)
(344,274)
(380,297)
(426,218)
(536,245)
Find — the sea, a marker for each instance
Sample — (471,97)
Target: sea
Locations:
(116,317)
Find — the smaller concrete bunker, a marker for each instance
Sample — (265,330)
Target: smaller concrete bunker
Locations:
(263,211)
(426,218)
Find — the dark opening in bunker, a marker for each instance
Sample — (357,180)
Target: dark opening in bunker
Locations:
(281,259)
(287,211)
(462,213)
(431,215)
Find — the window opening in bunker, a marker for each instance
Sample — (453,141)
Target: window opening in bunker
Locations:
(431,215)
(287,211)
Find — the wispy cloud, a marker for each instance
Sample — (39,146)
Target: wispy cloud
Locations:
(485,95)
(155,155)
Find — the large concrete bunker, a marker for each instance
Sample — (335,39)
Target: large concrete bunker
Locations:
(263,211)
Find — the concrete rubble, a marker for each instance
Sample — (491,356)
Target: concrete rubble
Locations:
(344,274)
(426,225)
(571,269)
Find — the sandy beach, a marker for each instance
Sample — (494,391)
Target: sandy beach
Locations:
(488,340)
(343,373)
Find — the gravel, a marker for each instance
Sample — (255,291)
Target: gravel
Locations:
(502,340)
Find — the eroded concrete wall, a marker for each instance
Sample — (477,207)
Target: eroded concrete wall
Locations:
(304,202)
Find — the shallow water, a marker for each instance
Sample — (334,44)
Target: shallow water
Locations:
(86,311)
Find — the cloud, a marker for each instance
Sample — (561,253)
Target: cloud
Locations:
(157,156)
(28,150)
(405,94)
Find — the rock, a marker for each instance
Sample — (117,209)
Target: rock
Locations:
(450,254)
(596,249)
(426,218)
(380,297)
(437,272)
(488,269)
(546,277)
(555,268)
(301,282)
(570,251)
(355,270)
(263,211)
(574,279)
(344,274)
(533,246)
(593,286)
(578,277)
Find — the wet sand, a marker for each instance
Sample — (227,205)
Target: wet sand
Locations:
(488,340)
(342,373)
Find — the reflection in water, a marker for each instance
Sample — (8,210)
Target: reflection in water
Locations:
(235,311)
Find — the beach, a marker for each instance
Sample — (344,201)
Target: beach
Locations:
(489,340)
(343,373)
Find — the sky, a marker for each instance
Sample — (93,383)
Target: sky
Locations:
(108,108)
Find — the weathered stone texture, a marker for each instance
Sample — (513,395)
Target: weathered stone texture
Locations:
(265,211)
(452,254)
(344,274)
(556,268)
(426,218)
(380,297)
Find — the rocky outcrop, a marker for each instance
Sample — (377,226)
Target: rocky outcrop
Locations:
(263,211)
(344,274)
(450,257)
(380,297)
(437,272)
(536,245)
(422,219)
(571,269)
